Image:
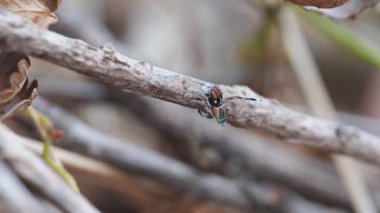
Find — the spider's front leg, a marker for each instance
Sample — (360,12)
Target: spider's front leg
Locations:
(205,113)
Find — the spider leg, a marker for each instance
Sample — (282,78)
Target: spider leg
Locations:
(242,98)
(205,113)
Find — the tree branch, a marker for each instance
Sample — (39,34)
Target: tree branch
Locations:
(20,35)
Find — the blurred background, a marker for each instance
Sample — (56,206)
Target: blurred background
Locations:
(253,43)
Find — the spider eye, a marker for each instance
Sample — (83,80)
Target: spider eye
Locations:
(215,102)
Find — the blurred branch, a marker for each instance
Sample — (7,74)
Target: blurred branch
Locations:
(20,35)
(115,16)
(12,191)
(68,16)
(147,163)
(318,100)
(137,191)
(39,176)
(167,171)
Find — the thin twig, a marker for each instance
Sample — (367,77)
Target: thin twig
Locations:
(40,177)
(20,35)
(44,126)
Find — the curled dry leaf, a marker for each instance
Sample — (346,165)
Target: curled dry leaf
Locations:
(15,92)
(320,3)
(19,104)
(347,11)
(12,79)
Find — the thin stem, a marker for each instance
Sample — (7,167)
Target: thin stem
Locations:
(241,98)
(69,179)
(43,126)
(344,37)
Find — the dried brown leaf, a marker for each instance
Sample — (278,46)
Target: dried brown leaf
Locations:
(320,3)
(349,10)
(16,80)
(15,94)
(27,96)
(40,12)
